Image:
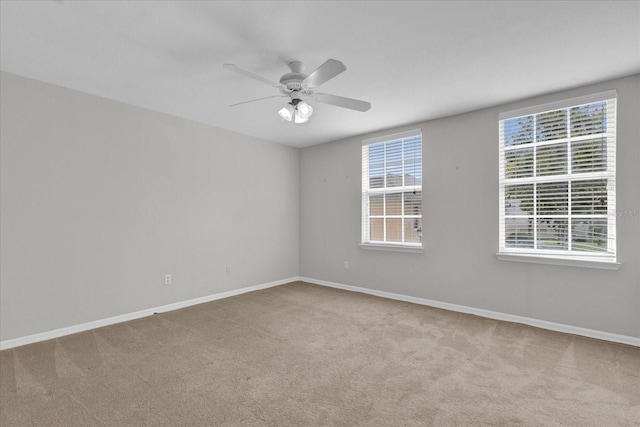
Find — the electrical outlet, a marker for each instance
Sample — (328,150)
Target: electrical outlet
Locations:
(228,270)
(346,265)
(167,279)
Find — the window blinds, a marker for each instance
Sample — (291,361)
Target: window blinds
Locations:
(557,179)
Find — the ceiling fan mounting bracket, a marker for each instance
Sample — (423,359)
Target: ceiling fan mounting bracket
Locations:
(297,67)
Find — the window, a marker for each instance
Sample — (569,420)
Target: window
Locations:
(557,180)
(392,192)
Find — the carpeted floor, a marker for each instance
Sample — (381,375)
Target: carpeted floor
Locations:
(306,355)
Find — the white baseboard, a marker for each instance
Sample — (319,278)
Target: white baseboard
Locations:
(558,327)
(56,333)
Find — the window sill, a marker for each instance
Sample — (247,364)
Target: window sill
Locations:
(542,259)
(392,248)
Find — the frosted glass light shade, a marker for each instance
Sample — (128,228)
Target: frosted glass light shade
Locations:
(287,112)
(304,109)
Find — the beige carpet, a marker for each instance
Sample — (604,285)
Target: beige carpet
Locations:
(305,355)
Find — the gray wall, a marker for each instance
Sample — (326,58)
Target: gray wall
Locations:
(101,199)
(460,235)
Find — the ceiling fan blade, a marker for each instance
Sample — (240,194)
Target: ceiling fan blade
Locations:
(326,71)
(251,74)
(341,101)
(259,99)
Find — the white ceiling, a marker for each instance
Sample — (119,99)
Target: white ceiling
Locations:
(412,60)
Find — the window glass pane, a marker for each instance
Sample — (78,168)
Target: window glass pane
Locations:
(394,204)
(589,235)
(519,232)
(376,229)
(518,199)
(376,205)
(588,119)
(589,156)
(552,233)
(413,160)
(589,197)
(376,178)
(413,230)
(376,165)
(551,125)
(551,160)
(552,198)
(394,180)
(376,156)
(394,163)
(519,163)
(410,181)
(518,131)
(413,203)
(394,229)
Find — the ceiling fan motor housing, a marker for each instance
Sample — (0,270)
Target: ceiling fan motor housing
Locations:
(292,81)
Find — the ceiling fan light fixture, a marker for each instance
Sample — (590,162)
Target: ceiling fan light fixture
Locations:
(304,110)
(297,111)
(287,112)
(300,119)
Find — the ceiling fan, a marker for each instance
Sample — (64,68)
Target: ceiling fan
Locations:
(298,86)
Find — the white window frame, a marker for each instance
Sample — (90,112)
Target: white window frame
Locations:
(366,242)
(569,257)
